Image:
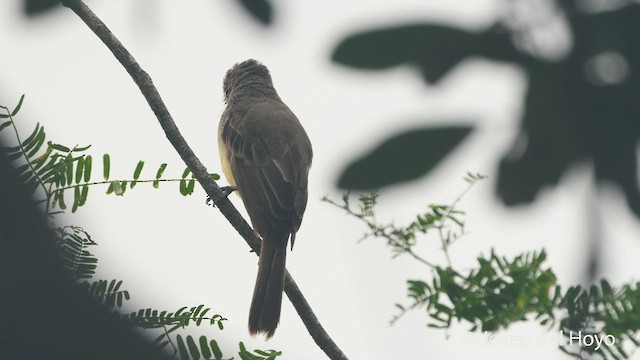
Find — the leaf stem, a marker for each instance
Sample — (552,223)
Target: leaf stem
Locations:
(105,182)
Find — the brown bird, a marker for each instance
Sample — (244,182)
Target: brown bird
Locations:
(266,155)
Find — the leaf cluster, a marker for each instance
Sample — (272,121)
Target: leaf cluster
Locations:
(499,291)
(58,170)
(495,294)
(204,348)
(73,242)
(602,310)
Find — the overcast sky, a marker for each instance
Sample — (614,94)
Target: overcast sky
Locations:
(173,251)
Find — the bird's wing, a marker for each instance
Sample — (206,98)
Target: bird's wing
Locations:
(263,161)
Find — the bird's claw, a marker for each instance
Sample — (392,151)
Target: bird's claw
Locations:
(226,190)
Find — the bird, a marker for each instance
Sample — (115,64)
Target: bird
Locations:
(266,156)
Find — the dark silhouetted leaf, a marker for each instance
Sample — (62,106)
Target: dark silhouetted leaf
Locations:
(573,114)
(39,7)
(261,10)
(579,108)
(433,49)
(402,158)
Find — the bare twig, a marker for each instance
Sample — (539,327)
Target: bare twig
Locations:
(145,84)
(380,232)
(445,242)
(107,182)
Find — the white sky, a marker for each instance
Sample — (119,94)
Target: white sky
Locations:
(173,251)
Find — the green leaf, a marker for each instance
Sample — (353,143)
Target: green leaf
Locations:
(196,310)
(79,169)
(138,170)
(186,172)
(63,206)
(190,186)
(76,199)
(4,125)
(112,284)
(59,147)
(215,176)
(179,312)
(182,349)
(193,348)
(117,187)
(201,316)
(421,150)
(84,194)
(123,185)
(37,144)
(87,168)
(17,108)
(34,142)
(106,163)
(183,187)
(607,291)
(69,166)
(217,353)
(243,350)
(11,149)
(3,116)
(81,149)
(32,136)
(42,159)
(22,168)
(14,157)
(204,347)
(161,170)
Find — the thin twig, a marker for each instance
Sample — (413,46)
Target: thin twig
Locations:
(382,233)
(445,244)
(106,182)
(145,84)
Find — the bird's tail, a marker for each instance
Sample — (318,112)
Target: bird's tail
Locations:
(264,314)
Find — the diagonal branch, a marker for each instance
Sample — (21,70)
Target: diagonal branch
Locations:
(150,93)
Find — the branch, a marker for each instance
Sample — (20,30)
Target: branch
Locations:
(150,93)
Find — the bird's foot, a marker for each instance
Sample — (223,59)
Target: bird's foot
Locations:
(226,190)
